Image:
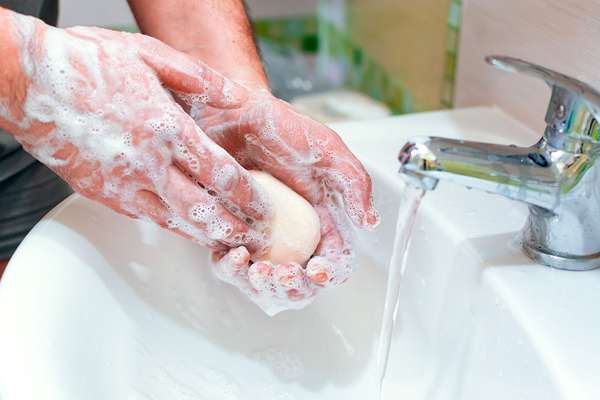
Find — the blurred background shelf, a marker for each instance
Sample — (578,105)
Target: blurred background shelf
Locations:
(344,51)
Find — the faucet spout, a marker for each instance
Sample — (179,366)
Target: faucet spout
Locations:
(559,186)
(537,175)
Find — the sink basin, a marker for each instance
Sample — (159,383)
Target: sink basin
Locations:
(96,306)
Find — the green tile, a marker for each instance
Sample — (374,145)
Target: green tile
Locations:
(376,89)
(311,24)
(447,93)
(261,28)
(293,27)
(310,43)
(400,103)
(348,50)
(357,57)
(450,66)
(451,40)
(595,130)
(124,28)
(454,15)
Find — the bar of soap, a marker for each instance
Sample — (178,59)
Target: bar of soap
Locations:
(295,228)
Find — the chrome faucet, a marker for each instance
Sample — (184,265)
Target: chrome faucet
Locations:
(558,177)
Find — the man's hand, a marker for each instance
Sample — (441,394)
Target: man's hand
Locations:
(94,105)
(265,133)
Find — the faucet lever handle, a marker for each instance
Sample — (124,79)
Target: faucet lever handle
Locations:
(574,108)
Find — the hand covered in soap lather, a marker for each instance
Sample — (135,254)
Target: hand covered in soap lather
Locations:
(93,105)
(265,133)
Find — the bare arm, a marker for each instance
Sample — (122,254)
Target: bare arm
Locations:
(13,85)
(216,31)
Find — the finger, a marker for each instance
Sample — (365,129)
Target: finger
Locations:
(221,175)
(291,280)
(280,281)
(201,216)
(260,277)
(318,270)
(189,77)
(233,268)
(334,259)
(346,175)
(152,206)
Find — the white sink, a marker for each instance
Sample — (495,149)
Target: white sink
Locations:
(96,306)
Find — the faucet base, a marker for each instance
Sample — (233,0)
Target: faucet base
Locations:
(569,263)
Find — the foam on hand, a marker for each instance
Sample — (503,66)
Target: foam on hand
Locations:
(295,227)
(99,111)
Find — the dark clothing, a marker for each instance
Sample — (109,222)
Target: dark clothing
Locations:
(27,189)
(25,198)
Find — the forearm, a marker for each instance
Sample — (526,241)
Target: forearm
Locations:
(21,43)
(216,31)
(13,81)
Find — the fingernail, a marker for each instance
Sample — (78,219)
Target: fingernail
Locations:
(262,269)
(371,218)
(318,271)
(319,278)
(295,295)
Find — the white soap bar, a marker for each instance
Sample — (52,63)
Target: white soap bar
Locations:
(295,228)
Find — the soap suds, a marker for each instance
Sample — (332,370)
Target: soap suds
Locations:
(115,131)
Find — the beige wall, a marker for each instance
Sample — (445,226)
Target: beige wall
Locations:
(560,34)
(407,38)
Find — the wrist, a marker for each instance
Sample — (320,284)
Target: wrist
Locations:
(250,73)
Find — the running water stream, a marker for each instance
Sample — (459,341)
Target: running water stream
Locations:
(407,213)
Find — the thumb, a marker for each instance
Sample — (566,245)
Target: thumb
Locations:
(193,80)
